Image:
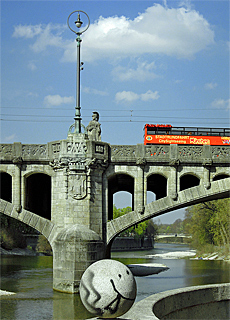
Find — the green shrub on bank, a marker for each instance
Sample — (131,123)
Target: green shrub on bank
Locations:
(43,246)
(11,238)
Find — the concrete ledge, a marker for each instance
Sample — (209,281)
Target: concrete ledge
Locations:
(199,302)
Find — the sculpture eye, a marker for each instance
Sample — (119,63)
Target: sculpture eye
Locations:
(127,271)
(119,275)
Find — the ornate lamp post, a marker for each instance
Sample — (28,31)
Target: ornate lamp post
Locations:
(78,32)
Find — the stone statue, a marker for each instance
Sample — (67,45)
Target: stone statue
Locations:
(108,288)
(94,128)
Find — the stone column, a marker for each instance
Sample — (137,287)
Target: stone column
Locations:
(139,196)
(207,163)
(139,188)
(172,187)
(17,183)
(206,176)
(174,162)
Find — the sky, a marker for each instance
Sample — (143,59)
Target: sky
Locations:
(144,62)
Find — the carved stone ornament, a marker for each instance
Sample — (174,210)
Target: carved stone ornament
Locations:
(96,163)
(174,162)
(207,162)
(57,164)
(77,184)
(141,161)
(68,163)
(17,160)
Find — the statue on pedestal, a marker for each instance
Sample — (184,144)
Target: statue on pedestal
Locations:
(94,128)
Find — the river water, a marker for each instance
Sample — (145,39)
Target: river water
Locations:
(31,279)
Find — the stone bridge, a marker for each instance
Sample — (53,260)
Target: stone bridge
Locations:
(64,189)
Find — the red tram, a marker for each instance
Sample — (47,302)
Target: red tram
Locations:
(167,134)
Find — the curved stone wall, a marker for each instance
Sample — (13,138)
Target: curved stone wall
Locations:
(198,302)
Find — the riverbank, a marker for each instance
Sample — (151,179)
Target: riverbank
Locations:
(219,254)
(212,256)
(20,252)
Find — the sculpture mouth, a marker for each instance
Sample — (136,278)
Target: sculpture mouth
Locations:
(115,289)
(113,306)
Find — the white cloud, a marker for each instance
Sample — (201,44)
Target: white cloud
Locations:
(10,138)
(149,95)
(176,32)
(44,35)
(127,96)
(27,31)
(210,86)
(130,96)
(32,95)
(94,91)
(32,66)
(57,100)
(141,73)
(221,104)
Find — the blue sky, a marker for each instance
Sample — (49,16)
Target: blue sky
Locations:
(144,62)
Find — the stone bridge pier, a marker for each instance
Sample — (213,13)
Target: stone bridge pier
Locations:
(77,198)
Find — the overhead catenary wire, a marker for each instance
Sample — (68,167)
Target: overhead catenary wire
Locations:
(57,116)
(109,121)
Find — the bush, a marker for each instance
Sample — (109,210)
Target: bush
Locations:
(11,238)
(43,245)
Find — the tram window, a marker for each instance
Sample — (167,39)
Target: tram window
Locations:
(151,130)
(217,132)
(203,131)
(176,132)
(190,131)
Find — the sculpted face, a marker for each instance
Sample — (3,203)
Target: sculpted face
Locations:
(108,289)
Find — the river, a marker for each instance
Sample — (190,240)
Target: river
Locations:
(31,279)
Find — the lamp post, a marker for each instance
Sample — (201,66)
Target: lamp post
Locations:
(78,32)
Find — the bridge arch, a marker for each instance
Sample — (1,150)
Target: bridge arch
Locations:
(119,182)
(157,183)
(42,225)
(38,194)
(218,190)
(6,186)
(189,180)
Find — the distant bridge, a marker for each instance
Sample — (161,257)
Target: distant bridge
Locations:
(174,235)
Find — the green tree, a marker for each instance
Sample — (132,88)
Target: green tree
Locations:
(209,223)
(145,228)
(12,232)
(44,246)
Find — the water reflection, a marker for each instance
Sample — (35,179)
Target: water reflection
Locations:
(31,279)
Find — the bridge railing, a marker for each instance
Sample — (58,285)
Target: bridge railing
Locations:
(139,154)
(170,153)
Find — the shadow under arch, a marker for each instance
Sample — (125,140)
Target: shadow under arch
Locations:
(44,226)
(38,194)
(220,176)
(188,181)
(6,186)
(157,183)
(119,182)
